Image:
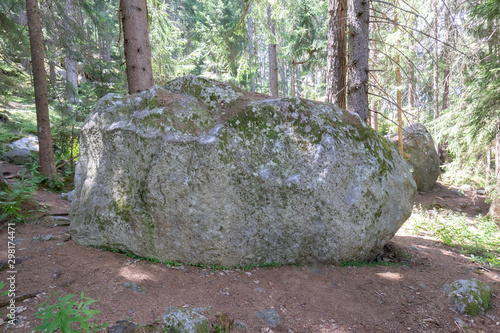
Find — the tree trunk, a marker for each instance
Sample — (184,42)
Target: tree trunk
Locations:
(436,69)
(293,77)
(41,100)
(134,15)
(336,63)
(250,39)
(357,94)
(70,62)
(495,205)
(273,57)
(446,59)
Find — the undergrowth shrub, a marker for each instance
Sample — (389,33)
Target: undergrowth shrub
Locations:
(68,311)
(16,203)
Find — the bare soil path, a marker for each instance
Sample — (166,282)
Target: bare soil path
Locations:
(317,298)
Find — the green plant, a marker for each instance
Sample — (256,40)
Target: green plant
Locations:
(13,200)
(65,312)
(5,292)
(478,238)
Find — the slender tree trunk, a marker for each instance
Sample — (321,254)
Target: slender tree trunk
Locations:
(283,79)
(273,57)
(293,77)
(336,63)
(250,39)
(446,59)
(134,15)
(495,205)
(357,94)
(46,153)
(107,55)
(70,62)
(398,97)
(375,116)
(435,76)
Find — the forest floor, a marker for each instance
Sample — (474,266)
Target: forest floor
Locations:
(405,297)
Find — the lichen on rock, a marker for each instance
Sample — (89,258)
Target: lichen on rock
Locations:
(202,172)
(471,297)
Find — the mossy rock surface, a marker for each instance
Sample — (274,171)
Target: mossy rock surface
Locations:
(184,320)
(420,153)
(202,172)
(471,297)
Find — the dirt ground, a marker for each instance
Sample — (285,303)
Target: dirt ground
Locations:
(318,298)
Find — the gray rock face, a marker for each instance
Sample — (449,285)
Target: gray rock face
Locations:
(184,320)
(471,297)
(18,156)
(202,172)
(29,142)
(270,316)
(420,153)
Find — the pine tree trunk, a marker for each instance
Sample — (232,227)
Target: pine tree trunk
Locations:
(435,76)
(357,94)
(70,62)
(495,205)
(134,15)
(273,57)
(336,63)
(46,153)
(250,40)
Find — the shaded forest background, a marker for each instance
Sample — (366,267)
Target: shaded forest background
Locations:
(441,55)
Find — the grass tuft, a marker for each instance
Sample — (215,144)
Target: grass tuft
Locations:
(478,238)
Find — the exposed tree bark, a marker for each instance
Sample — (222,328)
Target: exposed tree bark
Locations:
(70,61)
(250,39)
(134,15)
(273,57)
(435,76)
(46,153)
(336,63)
(446,71)
(495,205)
(357,94)
(398,97)
(284,85)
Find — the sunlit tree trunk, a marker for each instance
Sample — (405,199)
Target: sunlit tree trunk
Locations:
(46,153)
(436,69)
(134,15)
(273,56)
(357,94)
(336,63)
(250,40)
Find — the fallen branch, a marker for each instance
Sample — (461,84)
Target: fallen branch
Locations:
(67,161)
(19,298)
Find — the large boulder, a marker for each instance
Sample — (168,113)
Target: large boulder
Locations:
(420,153)
(203,172)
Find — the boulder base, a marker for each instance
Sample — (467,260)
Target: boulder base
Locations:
(421,155)
(202,172)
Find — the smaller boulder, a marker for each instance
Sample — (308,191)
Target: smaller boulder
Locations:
(18,156)
(419,152)
(270,316)
(184,320)
(470,297)
(29,142)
